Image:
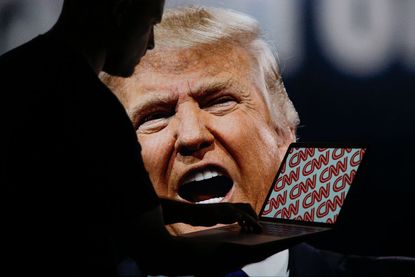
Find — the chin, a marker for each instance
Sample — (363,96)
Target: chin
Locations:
(181,228)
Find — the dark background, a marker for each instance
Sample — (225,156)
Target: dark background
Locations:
(349,68)
(375,107)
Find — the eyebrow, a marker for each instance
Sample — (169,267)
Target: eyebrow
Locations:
(211,87)
(152,99)
(166,99)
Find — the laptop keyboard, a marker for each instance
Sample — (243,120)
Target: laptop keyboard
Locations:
(283,230)
(286,229)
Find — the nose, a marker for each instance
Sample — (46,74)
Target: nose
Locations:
(150,43)
(193,136)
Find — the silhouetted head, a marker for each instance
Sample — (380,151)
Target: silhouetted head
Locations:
(115,33)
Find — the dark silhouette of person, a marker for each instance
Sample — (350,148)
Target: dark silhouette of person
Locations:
(76,198)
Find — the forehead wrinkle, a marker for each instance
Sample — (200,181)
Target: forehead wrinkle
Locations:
(200,57)
(176,61)
(210,85)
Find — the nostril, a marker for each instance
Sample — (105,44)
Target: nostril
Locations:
(188,150)
(205,144)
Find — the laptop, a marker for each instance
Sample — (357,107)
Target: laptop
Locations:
(305,198)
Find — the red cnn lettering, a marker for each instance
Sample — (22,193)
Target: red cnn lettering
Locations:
(301,156)
(274,203)
(344,180)
(357,158)
(289,212)
(325,207)
(315,195)
(283,167)
(303,187)
(308,216)
(339,152)
(327,173)
(311,165)
(332,220)
(287,179)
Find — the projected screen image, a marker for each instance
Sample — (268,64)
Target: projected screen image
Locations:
(313,184)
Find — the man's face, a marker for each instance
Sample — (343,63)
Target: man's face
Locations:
(132,36)
(205,130)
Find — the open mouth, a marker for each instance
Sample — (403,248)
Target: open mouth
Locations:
(208,186)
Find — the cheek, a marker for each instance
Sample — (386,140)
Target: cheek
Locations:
(154,150)
(248,139)
(268,157)
(253,145)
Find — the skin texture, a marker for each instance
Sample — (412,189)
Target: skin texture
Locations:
(202,108)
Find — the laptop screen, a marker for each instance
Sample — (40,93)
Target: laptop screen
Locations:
(312,183)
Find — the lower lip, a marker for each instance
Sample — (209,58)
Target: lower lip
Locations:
(224,199)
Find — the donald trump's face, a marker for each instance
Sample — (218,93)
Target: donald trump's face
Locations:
(204,127)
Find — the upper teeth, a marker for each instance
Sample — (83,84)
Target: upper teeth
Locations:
(204,175)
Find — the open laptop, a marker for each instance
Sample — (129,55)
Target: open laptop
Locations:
(305,197)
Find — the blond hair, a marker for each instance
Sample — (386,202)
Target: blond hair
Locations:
(189,27)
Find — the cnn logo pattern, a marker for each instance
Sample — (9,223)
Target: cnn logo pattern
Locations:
(313,184)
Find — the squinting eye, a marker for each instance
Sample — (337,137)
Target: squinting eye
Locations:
(154,120)
(155,116)
(221,102)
